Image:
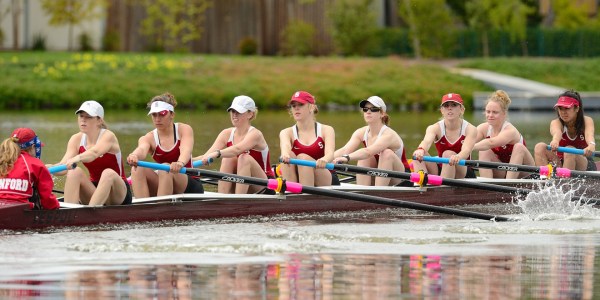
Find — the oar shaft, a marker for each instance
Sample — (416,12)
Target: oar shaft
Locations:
(163,167)
(345,195)
(407,176)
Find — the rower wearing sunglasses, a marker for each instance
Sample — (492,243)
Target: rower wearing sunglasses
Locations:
(169,143)
(382,146)
(453,137)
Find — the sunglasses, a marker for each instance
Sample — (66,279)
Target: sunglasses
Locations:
(450,104)
(372,109)
(161,113)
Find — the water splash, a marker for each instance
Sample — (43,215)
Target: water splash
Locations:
(559,200)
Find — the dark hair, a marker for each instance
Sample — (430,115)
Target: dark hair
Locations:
(579,123)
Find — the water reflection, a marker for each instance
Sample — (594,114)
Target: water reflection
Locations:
(566,273)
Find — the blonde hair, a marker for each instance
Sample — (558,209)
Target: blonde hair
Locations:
(9,153)
(166,97)
(254,113)
(500,97)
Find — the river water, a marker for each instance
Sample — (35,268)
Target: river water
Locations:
(550,252)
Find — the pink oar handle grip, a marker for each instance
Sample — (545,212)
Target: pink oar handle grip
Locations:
(431,179)
(544,171)
(563,172)
(292,187)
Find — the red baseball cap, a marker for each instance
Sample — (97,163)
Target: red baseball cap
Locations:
(452,97)
(302,97)
(567,102)
(24,135)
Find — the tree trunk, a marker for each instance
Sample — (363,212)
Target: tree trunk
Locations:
(413,28)
(70,37)
(16,14)
(485,43)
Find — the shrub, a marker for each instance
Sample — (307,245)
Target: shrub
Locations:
(39,42)
(298,38)
(111,41)
(248,46)
(85,42)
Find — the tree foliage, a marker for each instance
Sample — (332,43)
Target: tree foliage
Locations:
(509,15)
(173,24)
(570,14)
(72,12)
(430,29)
(353,25)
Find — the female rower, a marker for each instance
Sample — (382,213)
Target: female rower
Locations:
(169,143)
(454,138)
(499,140)
(23,176)
(384,149)
(99,151)
(308,140)
(243,148)
(571,129)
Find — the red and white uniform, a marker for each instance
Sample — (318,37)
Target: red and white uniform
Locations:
(161,155)
(27,172)
(315,150)
(503,152)
(262,157)
(106,161)
(400,152)
(443,144)
(566,141)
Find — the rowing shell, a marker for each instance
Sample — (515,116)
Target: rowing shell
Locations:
(18,216)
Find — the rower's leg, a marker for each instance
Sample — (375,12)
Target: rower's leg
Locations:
(144,182)
(78,187)
(388,160)
(228,165)
(487,155)
(306,175)
(248,166)
(520,156)
(111,189)
(361,179)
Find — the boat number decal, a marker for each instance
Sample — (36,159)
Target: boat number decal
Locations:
(507,168)
(232,179)
(378,174)
(53,217)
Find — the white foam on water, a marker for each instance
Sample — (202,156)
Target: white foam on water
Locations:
(559,200)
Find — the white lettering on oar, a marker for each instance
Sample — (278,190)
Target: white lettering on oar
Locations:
(507,168)
(378,174)
(232,179)
(14,184)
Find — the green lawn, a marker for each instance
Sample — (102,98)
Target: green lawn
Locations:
(571,73)
(34,80)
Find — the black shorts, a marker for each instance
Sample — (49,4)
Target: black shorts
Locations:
(194,186)
(591,166)
(470,172)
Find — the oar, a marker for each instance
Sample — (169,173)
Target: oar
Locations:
(573,151)
(283,186)
(542,170)
(415,177)
(167,168)
(59,168)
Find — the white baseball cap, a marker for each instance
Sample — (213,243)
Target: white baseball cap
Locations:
(376,101)
(160,106)
(93,109)
(242,104)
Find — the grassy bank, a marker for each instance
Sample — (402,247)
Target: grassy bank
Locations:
(55,80)
(42,80)
(578,74)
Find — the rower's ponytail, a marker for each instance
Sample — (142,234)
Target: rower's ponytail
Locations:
(9,153)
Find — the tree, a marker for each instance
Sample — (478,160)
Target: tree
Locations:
(569,14)
(172,24)
(430,29)
(353,25)
(72,13)
(509,15)
(16,15)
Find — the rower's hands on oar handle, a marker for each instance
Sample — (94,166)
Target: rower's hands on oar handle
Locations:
(344,159)
(176,166)
(72,162)
(321,163)
(132,160)
(454,160)
(554,145)
(419,153)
